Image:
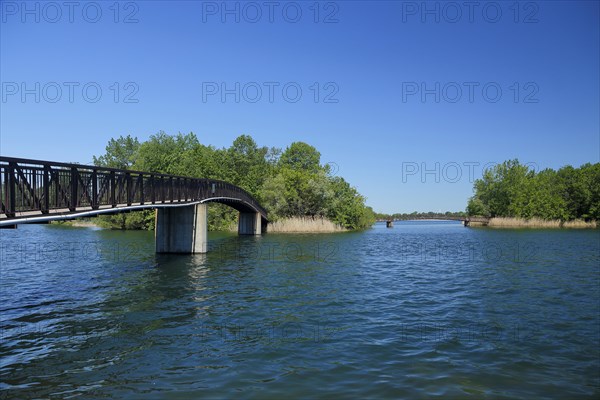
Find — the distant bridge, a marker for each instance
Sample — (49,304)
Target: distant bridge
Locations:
(38,191)
(466,220)
(429,217)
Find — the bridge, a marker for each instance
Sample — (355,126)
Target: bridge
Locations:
(466,220)
(34,191)
(432,217)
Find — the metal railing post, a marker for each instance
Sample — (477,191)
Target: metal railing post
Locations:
(11,190)
(141,187)
(46,189)
(128,187)
(74,192)
(113,191)
(95,204)
(152,190)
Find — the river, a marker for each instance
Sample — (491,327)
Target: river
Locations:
(420,310)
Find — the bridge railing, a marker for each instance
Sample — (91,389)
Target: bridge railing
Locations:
(33,186)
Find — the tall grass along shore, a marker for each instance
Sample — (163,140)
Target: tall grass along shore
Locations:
(304,225)
(506,222)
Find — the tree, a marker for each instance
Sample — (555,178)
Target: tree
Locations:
(512,190)
(163,153)
(246,164)
(275,197)
(545,199)
(120,153)
(476,207)
(347,206)
(301,157)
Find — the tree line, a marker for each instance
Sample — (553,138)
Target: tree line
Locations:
(289,182)
(512,189)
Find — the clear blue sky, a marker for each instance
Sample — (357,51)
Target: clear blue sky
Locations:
(374,58)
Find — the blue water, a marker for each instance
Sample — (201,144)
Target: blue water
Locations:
(426,309)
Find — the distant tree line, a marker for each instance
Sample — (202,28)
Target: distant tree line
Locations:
(512,189)
(288,183)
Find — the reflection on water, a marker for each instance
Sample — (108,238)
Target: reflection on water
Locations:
(424,309)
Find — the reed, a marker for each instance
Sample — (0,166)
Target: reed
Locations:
(477,223)
(304,225)
(506,222)
(79,223)
(579,223)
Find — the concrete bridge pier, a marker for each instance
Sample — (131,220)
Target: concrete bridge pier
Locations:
(181,229)
(250,223)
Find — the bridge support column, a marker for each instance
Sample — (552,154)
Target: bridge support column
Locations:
(181,229)
(250,224)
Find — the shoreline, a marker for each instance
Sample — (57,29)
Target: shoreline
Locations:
(533,223)
(323,225)
(288,225)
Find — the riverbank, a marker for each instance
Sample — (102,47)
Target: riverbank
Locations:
(505,222)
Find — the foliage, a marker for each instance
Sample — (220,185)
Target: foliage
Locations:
(288,183)
(511,189)
(300,186)
(120,153)
(133,220)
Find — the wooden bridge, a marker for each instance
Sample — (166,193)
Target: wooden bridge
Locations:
(39,191)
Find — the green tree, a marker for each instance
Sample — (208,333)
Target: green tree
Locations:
(347,207)
(545,198)
(300,156)
(163,153)
(476,207)
(246,165)
(512,190)
(591,191)
(501,188)
(120,153)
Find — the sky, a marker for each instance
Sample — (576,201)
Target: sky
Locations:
(408,101)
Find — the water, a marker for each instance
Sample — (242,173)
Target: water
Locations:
(421,310)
